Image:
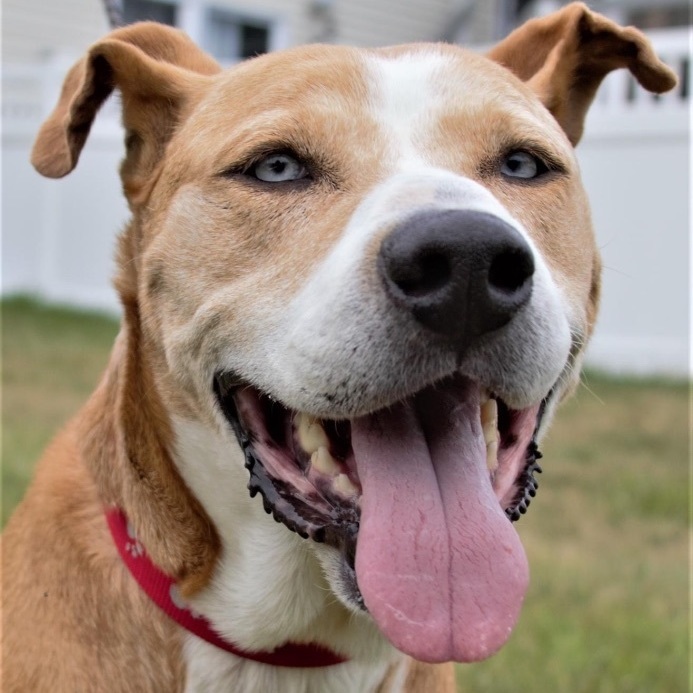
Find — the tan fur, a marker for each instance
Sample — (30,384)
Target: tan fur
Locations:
(73,619)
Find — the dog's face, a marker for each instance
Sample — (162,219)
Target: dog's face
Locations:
(271,225)
(373,272)
(302,278)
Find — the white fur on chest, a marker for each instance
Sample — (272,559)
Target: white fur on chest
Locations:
(210,670)
(268,587)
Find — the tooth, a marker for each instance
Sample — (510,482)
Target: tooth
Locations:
(489,421)
(311,435)
(484,397)
(492,455)
(343,485)
(489,424)
(324,462)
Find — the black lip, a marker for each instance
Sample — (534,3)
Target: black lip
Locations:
(527,484)
(341,528)
(277,500)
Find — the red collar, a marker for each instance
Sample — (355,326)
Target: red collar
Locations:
(163,591)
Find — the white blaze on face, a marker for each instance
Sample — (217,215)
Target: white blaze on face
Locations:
(404,100)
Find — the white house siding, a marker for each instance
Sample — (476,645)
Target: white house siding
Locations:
(33,29)
(355,22)
(391,21)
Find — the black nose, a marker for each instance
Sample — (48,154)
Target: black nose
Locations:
(461,273)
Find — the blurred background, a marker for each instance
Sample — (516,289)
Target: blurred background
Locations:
(607,536)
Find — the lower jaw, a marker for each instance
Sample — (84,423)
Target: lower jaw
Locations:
(334,519)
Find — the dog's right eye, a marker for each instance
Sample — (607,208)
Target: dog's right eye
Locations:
(522,164)
(278,168)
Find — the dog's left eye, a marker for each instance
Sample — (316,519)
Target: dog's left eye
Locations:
(278,168)
(521,164)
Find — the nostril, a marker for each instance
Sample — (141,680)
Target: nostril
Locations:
(509,270)
(429,272)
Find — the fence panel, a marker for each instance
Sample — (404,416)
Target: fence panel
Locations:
(635,161)
(58,237)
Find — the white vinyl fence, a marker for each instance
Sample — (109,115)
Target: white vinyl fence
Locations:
(635,161)
(58,237)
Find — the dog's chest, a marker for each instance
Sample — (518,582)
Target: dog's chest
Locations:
(210,670)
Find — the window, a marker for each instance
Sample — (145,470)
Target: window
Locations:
(231,37)
(228,35)
(140,10)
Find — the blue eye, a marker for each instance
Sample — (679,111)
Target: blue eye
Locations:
(278,168)
(524,165)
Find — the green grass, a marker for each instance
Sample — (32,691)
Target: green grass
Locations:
(51,361)
(607,536)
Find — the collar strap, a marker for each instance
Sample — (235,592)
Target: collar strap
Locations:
(163,591)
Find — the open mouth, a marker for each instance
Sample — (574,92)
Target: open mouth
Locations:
(418,499)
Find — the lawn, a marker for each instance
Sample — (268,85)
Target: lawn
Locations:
(607,536)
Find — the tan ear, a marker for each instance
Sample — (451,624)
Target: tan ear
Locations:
(157,69)
(565,56)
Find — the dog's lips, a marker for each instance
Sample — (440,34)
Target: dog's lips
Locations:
(406,494)
(315,493)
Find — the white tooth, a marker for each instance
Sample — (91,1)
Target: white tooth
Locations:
(324,462)
(492,455)
(489,421)
(311,435)
(343,485)
(484,396)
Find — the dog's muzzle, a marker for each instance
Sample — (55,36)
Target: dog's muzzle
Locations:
(417,492)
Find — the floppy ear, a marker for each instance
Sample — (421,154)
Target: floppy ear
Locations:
(158,70)
(565,56)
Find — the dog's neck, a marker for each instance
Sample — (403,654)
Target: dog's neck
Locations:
(266,586)
(163,591)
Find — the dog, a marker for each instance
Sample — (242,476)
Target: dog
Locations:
(355,285)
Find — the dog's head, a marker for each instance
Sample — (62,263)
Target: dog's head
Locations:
(374,270)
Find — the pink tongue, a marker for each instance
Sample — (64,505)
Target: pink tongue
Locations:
(440,567)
